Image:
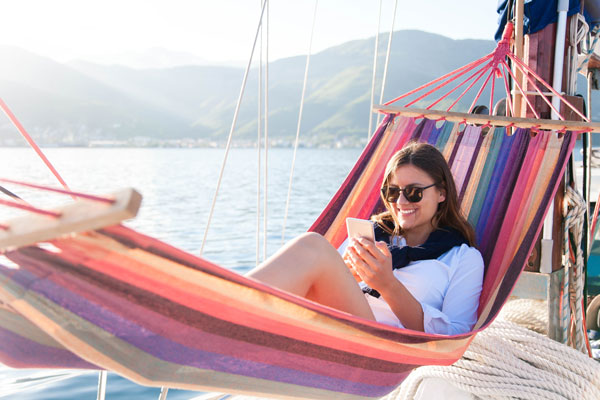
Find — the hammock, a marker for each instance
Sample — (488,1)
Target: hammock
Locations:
(118,300)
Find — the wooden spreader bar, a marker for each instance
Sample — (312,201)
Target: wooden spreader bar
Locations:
(79,216)
(492,120)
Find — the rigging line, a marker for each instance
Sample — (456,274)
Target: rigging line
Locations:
(460,70)
(537,116)
(235,116)
(26,207)
(101,393)
(539,92)
(429,107)
(554,92)
(374,72)
(258,143)
(32,143)
(265,197)
(287,203)
(9,193)
(509,103)
(61,191)
(387,59)
(483,71)
(494,71)
(481,91)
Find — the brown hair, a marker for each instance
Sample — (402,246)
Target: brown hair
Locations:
(429,159)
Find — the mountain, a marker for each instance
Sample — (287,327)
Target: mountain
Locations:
(157,57)
(80,101)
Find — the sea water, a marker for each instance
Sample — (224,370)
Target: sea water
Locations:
(178,188)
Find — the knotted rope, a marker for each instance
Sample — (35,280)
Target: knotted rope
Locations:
(574,214)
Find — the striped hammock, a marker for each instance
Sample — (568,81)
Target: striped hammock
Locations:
(115,299)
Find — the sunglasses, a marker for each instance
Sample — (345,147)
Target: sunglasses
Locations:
(413,194)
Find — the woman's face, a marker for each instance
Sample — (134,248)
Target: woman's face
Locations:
(415,217)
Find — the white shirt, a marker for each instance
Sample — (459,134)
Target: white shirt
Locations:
(448,289)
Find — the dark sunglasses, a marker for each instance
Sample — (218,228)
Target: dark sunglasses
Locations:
(413,194)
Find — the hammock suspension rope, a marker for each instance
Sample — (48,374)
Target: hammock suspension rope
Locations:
(375,52)
(296,142)
(31,142)
(266,136)
(233,124)
(387,58)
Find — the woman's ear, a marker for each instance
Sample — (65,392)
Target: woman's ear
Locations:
(442,196)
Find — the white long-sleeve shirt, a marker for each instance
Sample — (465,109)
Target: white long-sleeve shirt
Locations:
(448,289)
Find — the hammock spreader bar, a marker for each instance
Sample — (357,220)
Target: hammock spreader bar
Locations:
(78,216)
(493,120)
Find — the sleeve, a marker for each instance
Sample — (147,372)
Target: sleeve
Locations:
(459,307)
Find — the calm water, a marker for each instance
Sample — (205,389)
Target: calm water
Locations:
(178,186)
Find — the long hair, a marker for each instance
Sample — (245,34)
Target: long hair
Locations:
(429,159)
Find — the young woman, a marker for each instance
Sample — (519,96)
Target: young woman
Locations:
(422,273)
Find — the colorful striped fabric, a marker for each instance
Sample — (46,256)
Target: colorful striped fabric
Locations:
(118,300)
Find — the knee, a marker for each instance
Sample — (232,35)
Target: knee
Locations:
(314,241)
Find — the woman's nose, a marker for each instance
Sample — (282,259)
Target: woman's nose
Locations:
(402,199)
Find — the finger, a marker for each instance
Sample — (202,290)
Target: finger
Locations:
(370,251)
(383,247)
(364,261)
(363,254)
(361,267)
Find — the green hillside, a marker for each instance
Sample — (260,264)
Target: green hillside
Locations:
(78,102)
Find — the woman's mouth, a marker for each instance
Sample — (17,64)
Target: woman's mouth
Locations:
(407,212)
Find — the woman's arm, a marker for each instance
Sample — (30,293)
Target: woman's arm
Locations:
(373,263)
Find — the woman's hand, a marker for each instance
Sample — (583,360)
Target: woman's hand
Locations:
(372,262)
(348,262)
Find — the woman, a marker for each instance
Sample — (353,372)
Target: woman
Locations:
(422,273)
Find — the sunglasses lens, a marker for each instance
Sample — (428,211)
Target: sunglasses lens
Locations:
(413,194)
(391,193)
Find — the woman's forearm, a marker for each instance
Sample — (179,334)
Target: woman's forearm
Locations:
(404,305)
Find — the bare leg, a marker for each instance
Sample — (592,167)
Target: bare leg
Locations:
(311,267)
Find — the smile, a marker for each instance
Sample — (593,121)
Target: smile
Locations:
(407,212)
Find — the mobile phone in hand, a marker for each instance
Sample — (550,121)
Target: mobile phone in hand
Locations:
(358,228)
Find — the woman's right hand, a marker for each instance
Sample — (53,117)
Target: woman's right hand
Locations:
(346,257)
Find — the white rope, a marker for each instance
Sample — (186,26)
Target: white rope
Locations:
(387,59)
(369,132)
(591,44)
(289,193)
(578,32)
(258,144)
(528,313)
(266,180)
(509,361)
(575,207)
(235,116)
(101,393)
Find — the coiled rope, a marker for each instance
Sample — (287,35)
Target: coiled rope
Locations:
(508,361)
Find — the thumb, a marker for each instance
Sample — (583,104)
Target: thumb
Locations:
(383,247)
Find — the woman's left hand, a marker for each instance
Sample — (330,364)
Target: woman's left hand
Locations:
(372,262)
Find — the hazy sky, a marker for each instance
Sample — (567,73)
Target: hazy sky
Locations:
(222,30)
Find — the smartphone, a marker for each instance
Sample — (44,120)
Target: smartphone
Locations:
(360,228)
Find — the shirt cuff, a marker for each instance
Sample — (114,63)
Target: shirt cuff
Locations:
(435,321)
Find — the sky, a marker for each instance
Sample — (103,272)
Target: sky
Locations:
(223,30)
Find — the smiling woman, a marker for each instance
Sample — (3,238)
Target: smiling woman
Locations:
(422,273)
